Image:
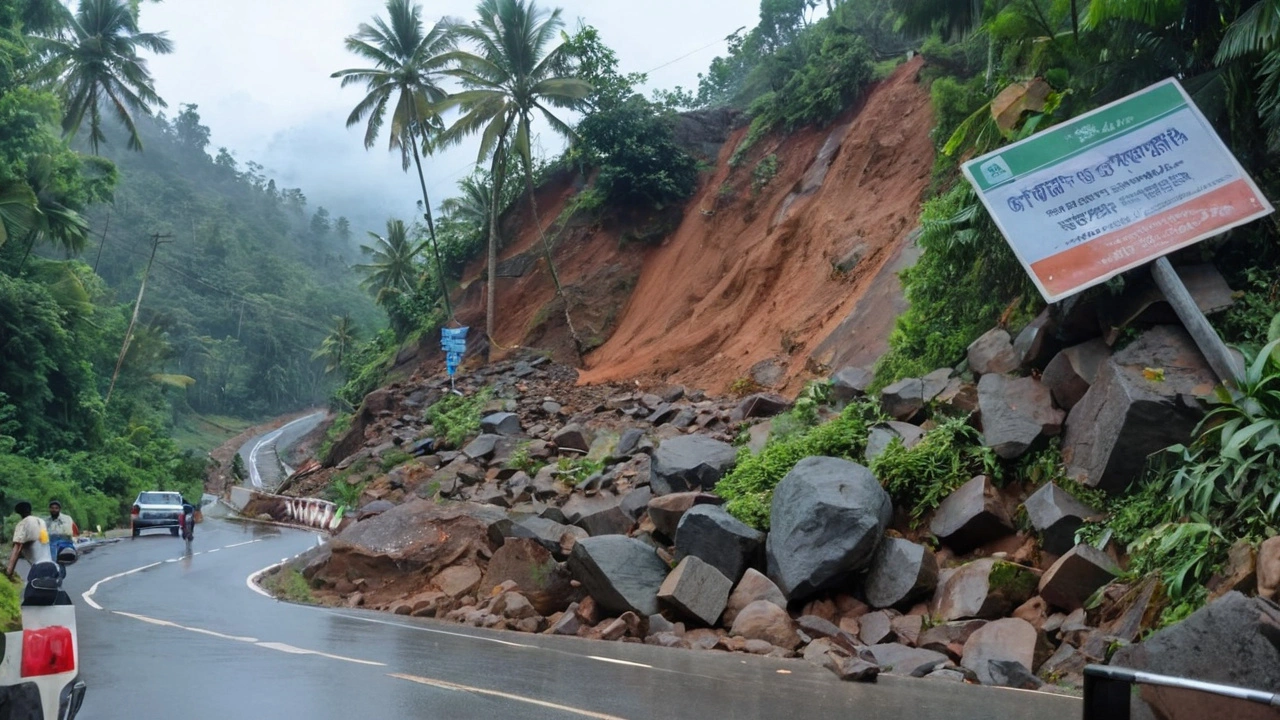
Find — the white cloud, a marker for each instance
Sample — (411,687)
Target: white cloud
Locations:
(259,70)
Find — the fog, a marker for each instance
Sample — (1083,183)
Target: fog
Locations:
(260,74)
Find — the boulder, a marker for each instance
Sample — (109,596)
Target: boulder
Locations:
(554,536)
(502,423)
(1132,412)
(900,573)
(1239,573)
(573,437)
(545,582)
(635,501)
(763,620)
(620,573)
(992,353)
(875,628)
(666,511)
(971,516)
(710,533)
(690,462)
(826,520)
(628,443)
(1009,639)
(760,405)
(898,659)
(986,588)
(882,435)
(907,628)
(600,514)
(1076,575)
(1013,674)
(1070,373)
(696,590)
(377,507)
(483,447)
(1036,343)
(850,383)
(1233,641)
(753,586)
(1056,515)
(1269,569)
(904,399)
(458,581)
(1015,413)
(949,637)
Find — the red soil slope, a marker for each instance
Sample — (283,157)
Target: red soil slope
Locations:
(731,289)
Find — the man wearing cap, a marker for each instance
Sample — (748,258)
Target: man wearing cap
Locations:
(59,523)
(30,540)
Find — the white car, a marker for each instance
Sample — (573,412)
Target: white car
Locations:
(157,510)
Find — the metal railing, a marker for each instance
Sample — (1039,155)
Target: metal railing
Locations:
(1108,689)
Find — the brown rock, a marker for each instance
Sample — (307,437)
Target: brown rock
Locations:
(666,510)
(1076,576)
(1240,572)
(824,608)
(907,628)
(986,588)
(992,353)
(1007,639)
(458,580)
(876,627)
(1035,611)
(1071,372)
(949,638)
(1269,569)
(763,620)
(545,582)
(753,586)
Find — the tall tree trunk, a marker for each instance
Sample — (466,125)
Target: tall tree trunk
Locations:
(31,244)
(426,205)
(546,251)
(491,286)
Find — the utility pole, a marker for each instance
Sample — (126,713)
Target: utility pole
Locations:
(156,240)
(102,242)
(240,323)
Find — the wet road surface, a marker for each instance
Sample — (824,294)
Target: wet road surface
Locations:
(261,454)
(186,637)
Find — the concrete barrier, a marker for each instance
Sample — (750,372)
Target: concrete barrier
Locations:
(302,512)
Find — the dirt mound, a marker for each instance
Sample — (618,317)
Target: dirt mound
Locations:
(757,279)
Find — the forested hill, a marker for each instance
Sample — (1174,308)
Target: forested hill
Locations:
(248,279)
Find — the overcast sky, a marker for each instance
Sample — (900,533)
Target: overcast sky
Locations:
(259,72)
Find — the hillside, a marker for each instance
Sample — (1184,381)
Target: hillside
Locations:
(748,278)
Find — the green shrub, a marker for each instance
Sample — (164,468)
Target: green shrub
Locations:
(921,477)
(289,584)
(10,608)
(577,470)
(457,418)
(393,459)
(344,493)
(748,488)
(764,173)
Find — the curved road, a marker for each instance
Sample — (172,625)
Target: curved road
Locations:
(183,636)
(261,454)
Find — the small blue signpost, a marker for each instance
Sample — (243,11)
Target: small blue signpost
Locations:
(454,343)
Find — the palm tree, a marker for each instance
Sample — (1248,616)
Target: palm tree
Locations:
(337,344)
(392,268)
(408,64)
(475,205)
(512,76)
(53,220)
(96,59)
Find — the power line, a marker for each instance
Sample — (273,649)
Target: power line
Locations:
(693,52)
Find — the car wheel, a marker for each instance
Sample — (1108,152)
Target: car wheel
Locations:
(173,532)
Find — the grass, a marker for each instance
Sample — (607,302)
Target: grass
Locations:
(10,610)
(457,418)
(202,433)
(921,477)
(289,584)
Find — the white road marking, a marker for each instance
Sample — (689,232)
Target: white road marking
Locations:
(620,662)
(167,623)
(282,647)
(270,437)
(433,630)
(88,594)
(241,544)
(443,685)
(212,551)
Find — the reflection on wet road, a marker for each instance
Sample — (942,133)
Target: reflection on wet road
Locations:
(187,638)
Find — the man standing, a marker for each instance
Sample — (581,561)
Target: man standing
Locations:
(60,524)
(30,540)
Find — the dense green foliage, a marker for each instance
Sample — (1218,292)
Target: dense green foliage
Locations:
(456,418)
(921,477)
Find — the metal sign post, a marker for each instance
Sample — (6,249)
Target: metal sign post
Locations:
(454,343)
(1117,188)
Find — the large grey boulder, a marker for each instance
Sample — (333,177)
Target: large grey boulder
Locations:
(1077,575)
(1234,641)
(1070,373)
(554,536)
(971,516)
(600,514)
(984,589)
(993,353)
(1015,413)
(850,383)
(1132,412)
(760,405)
(666,511)
(901,572)
(904,399)
(711,534)
(543,581)
(620,573)
(1056,515)
(826,520)
(690,462)
(697,590)
(502,423)
(881,436)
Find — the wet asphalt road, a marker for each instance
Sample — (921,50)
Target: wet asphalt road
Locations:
(187,638)
(262,452)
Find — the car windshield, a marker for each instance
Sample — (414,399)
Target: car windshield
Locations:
(159,498)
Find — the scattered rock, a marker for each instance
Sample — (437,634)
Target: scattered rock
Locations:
(850,383)
(907,628)
(697,590)
(710,533)
(600,514)
(875,628)
(753,586)
(898,659)
(1011,673)
(901,573)
(992,353)
(1269,569)
(690,462)
(1233,641)
(483,447)
(628,443)
(763,620)
(826,519)
(1009,639)
(458,580)
(971,516)
(377,507)
(949,638)
(1076,575)
(1015,413)
(1035,343)
(503,423)
(1071,372)
(852,669)
(904,399)
(986,588)
(545,582)
(1127,415)
(620,573)
(882,435)
(573,437)
(768,373)
(1056,515)
(760,405)
(666,511)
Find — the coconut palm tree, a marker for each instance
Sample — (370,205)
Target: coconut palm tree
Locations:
(53,220)
(509,79)
(391,268)
(408,64)
(96,61)
(337,344)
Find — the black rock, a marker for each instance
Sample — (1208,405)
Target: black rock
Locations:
(710,533)
(620,573)
(690,462)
